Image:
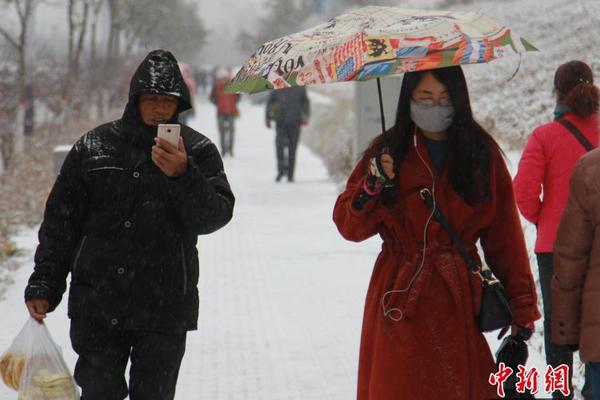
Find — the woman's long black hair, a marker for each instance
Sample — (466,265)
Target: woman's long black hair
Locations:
(470,146)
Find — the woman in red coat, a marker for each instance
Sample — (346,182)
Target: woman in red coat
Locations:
(419,337)
(547,163)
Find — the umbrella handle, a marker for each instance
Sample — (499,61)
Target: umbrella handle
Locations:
(381,106)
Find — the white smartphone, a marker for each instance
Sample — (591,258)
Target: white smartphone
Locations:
(169,132)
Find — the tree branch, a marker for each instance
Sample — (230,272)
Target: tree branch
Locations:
(9,38)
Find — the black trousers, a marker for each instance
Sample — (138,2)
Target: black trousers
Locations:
(286,142)
(226,132)
(557,354)
(103,354)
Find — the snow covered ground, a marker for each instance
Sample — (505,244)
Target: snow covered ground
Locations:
(281,292)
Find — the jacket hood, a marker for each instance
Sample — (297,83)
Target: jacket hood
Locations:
(159,73)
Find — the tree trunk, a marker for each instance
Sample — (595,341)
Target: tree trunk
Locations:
(113,33)
(93,68)
(81,39)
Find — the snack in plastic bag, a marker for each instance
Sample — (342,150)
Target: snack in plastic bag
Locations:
(33,365)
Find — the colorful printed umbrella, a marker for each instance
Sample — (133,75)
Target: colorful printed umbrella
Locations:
(373,42)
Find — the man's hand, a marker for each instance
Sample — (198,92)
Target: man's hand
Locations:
(269,124)
(37,308)
(172,161)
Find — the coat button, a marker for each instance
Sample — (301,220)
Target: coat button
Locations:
(121,271)
(562,333)
(560,323)
(114,321)
(127,224)
(136,174)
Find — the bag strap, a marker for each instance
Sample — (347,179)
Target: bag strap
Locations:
(428,199)
(576,132)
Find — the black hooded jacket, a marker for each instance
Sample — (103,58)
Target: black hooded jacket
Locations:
(125,231)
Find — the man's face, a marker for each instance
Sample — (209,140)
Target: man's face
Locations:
(157,109)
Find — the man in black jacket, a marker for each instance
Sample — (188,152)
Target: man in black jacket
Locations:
(289,108)
(123,217)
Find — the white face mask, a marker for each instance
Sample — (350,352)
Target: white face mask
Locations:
(431,117)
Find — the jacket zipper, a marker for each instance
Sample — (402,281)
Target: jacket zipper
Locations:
(76,260)
(184,268)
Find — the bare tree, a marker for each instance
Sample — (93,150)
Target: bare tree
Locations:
(78,11)
(283,17)
(24,10)
(183,32)
(18,42)
(93,80)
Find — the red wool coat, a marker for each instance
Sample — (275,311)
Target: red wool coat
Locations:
(547,162)
(436,351)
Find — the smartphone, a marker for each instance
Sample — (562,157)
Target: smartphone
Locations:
(169,132)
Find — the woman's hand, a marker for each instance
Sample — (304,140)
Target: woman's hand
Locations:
(381,172)
(387,163)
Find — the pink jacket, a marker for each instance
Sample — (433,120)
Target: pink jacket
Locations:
(547,163)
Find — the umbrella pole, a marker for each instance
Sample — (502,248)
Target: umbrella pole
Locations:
(381,106)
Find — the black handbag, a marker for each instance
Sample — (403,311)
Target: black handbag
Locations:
(495,310)
(513,352)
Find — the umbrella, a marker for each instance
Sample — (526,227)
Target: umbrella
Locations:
(374,42)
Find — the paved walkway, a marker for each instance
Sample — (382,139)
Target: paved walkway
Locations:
(281,292)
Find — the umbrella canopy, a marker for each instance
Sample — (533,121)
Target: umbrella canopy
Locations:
(373,42)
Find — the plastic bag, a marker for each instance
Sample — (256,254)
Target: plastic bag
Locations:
(33,365)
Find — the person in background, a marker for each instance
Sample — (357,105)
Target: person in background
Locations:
(186,73)
(290,109)
(29,115)
(201,78)
(227,109)
(576,279)
(545,167)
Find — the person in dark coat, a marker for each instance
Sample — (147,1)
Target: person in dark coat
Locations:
(289,108)
(29,116)
(123,218)
(419,321)
(576,280)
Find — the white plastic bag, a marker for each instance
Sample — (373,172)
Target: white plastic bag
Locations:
(33,365)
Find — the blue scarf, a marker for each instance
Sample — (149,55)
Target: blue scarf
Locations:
(560,110)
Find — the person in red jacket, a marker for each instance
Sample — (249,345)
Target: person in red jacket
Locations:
(227,109)
(546,166)
(420,339)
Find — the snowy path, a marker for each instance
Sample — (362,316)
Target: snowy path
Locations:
(281,292)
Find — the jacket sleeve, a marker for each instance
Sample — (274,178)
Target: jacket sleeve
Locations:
(356,223)
(529,179)
(571,257)
(505,250)
(60,232)
(305,106)
(269,114)
(202,196)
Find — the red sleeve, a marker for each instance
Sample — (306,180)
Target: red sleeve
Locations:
(356,225)
(505,250)
(530,177)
